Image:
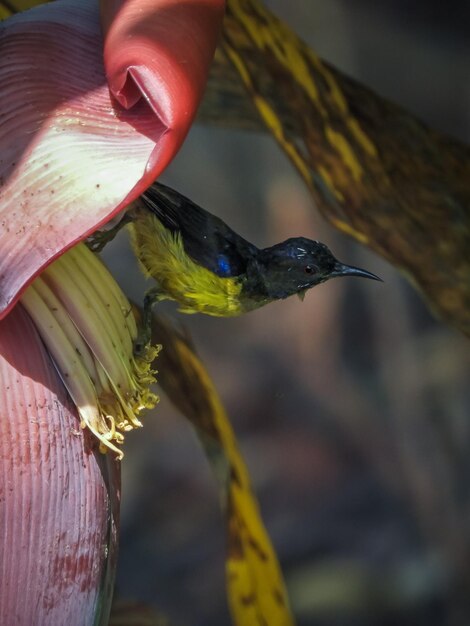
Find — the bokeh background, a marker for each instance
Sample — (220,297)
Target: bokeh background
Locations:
(351,408)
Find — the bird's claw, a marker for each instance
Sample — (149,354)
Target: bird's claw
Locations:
(145,333)
(97,241)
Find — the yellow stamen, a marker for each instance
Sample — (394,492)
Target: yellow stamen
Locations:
(88,325)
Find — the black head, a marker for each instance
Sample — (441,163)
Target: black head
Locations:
(298,264)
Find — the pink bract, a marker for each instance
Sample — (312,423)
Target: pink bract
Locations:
(59,497)
(73,150)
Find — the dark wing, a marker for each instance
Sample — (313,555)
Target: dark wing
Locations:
(206,238)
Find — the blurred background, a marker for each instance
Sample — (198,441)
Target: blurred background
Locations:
(351,408)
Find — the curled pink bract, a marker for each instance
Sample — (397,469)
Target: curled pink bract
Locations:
(73,149)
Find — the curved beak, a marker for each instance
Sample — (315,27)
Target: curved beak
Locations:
(348,270)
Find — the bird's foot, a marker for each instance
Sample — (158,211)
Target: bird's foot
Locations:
(145,333)
(97,241)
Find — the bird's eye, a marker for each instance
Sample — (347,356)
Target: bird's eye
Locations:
(309,269)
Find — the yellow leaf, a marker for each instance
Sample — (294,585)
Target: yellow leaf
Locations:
(255,586)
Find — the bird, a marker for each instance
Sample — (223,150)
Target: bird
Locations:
(198,261)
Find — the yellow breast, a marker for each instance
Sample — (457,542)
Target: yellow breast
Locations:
(196,289)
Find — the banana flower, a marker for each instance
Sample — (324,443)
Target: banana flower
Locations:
(95,100)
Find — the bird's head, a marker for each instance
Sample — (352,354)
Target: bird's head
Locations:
(298,264)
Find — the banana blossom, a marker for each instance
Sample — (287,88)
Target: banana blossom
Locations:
(95,100)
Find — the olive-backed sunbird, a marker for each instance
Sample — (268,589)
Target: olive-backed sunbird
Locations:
(206,267)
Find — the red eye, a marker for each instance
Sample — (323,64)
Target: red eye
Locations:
(309,269)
